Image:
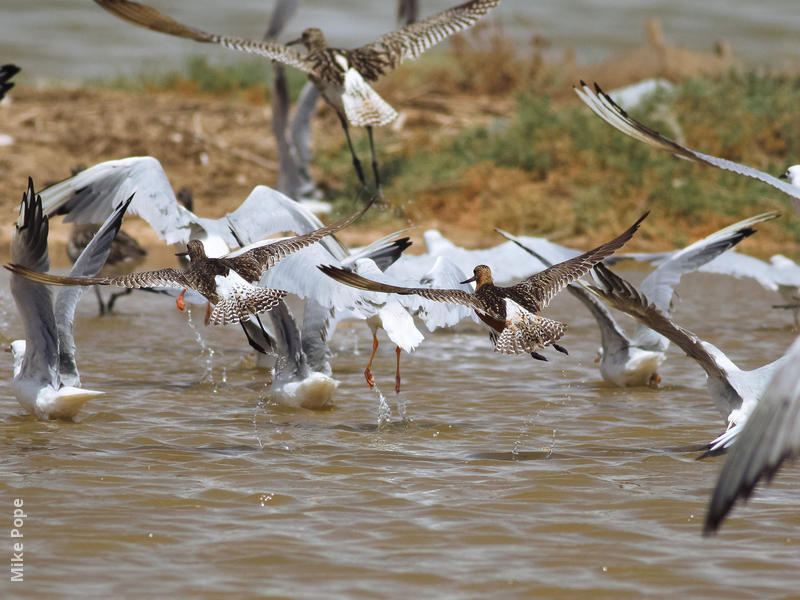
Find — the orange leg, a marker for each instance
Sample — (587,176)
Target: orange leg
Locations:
(397,372)
(368,370)
(179,301)
(208,312)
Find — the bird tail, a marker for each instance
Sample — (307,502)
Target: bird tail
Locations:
(527,333)
(243,304)
(362,105)
(69,401)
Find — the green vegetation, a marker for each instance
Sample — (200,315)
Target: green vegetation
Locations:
(549,165)
(599,173)
(249,77)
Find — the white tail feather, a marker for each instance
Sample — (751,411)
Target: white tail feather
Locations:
(362,105)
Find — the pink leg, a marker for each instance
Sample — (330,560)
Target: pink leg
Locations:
(397,372)
(179,301)
(368,370)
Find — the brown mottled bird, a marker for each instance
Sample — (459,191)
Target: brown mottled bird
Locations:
(508,311)
(338,73)
(227,282)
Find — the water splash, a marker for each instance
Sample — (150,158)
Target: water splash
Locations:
(205,348)
(384,411)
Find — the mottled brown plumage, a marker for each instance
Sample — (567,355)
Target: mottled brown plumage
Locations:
(338,73)
(510,311)
(235,296)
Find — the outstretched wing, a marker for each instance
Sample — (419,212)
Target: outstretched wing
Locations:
(90,261)
(608,110)
(149,18)
(453,296)
(621,295)
(770,436)
(144,279)
(412,40)
(535,292)
(267,253)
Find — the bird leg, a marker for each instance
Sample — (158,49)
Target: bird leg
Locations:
(368,371)
(100,300)
(179,301)
(208,313)
(538,356)
(356,162)
(114,297)
(374,162)
(397,372)
(561,349)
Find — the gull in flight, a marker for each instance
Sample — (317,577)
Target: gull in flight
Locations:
(341,75)
(771,436)
(46,380)
(227,282)
(735,392)
(634,361)
(510,311)
(608,110)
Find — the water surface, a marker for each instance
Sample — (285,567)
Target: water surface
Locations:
(493,476)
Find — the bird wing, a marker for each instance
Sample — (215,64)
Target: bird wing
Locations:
(34,301)
(92,195)
(268,212)
(383,252)
(624,297)
(608,110)
(267,253)
(770,436)
(439,295)
(89,263)
(535,292)
(659,285)
(150,18)
(143,279)
(314,334)
(412,40)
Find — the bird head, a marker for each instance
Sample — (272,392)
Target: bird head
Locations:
(194,250)
(312,38)
(481,276)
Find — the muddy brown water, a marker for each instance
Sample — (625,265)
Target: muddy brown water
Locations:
(493,476)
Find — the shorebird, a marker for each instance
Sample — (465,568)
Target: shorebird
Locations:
(340,74)
(608,110)
(227,282)
(7,71)
(735,392)
(46,380)
(509,311)
(634,361)
(771,436)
